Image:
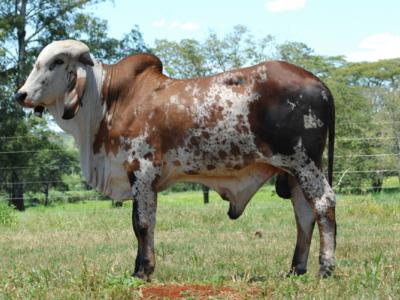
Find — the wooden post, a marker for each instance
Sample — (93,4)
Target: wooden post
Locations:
(206,191)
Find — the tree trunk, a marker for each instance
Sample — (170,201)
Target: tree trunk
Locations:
(206,191)
(21,33)
(46,195)
(377,185)
(17,192)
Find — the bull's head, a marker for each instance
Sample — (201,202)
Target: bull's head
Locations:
(59,74)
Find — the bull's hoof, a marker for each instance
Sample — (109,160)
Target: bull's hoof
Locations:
(325,271)
(296,272)
(142,276)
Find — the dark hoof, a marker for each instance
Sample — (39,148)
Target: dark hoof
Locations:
(325,271)
(296,272)
(141,276)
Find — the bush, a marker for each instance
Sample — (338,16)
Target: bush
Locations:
(8,216)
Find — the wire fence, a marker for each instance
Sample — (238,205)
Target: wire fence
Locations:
(382,140)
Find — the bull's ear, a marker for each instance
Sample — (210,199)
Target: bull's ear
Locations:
(73,97)
(86,59)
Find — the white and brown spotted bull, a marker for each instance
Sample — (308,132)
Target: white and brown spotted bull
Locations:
(139,131)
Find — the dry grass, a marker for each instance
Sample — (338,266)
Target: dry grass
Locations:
(86,250)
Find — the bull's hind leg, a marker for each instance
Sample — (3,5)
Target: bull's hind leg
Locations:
(144,220)
(322,199)
(305,221)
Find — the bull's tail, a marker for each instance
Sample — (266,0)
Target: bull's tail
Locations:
(331,135)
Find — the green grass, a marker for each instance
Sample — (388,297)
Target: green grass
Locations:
(86,250)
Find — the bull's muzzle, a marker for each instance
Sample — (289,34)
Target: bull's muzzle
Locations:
(21,99)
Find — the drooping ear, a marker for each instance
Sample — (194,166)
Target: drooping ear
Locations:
(86,59)
(74,94)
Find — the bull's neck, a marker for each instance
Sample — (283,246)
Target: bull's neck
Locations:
(84,126)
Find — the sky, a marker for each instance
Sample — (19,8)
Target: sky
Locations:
(361,30)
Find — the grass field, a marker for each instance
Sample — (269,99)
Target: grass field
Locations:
(86,250)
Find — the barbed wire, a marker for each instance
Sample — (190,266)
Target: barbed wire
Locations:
(40,167)
(31,182)
(343,123)
(102,198)
(367,122)
(338,138)
(30,151)
(365,138)
(366,171)
(40,182)
(367,155)
(336,156)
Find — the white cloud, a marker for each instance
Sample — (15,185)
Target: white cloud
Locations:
(175,24)
(284,5)
(375,47)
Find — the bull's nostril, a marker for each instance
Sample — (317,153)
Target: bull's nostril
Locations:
(20,97)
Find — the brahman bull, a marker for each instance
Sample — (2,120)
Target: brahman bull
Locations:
(140,131)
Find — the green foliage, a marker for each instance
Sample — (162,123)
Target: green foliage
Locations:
(190,57)
(8,216)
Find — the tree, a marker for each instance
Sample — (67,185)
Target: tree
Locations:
(190,58)
(51,162)
(380,82)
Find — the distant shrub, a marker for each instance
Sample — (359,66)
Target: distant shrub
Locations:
(185,186)
(8,216)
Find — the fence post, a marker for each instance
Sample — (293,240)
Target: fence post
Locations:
(206,191)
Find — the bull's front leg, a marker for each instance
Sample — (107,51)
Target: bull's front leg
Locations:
(144,220)
(322,200)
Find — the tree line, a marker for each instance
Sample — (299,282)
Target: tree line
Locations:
(35,159)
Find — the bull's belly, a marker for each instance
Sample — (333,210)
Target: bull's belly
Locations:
(230,184)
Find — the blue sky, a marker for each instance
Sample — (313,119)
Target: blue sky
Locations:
(360,30)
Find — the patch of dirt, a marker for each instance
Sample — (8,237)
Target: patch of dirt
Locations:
(187,291)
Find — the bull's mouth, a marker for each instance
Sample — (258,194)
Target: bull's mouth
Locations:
(21,98)
(38,111)
(26,103)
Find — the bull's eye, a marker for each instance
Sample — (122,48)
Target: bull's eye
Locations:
(56,62)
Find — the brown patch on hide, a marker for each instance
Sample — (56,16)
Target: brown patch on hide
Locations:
(192,172)
(222,154)
(330,213)
(205,135)
(215,115)
(130,170)
(148,156)
(195,140)
(177,163)
(234,80)
(235,150)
